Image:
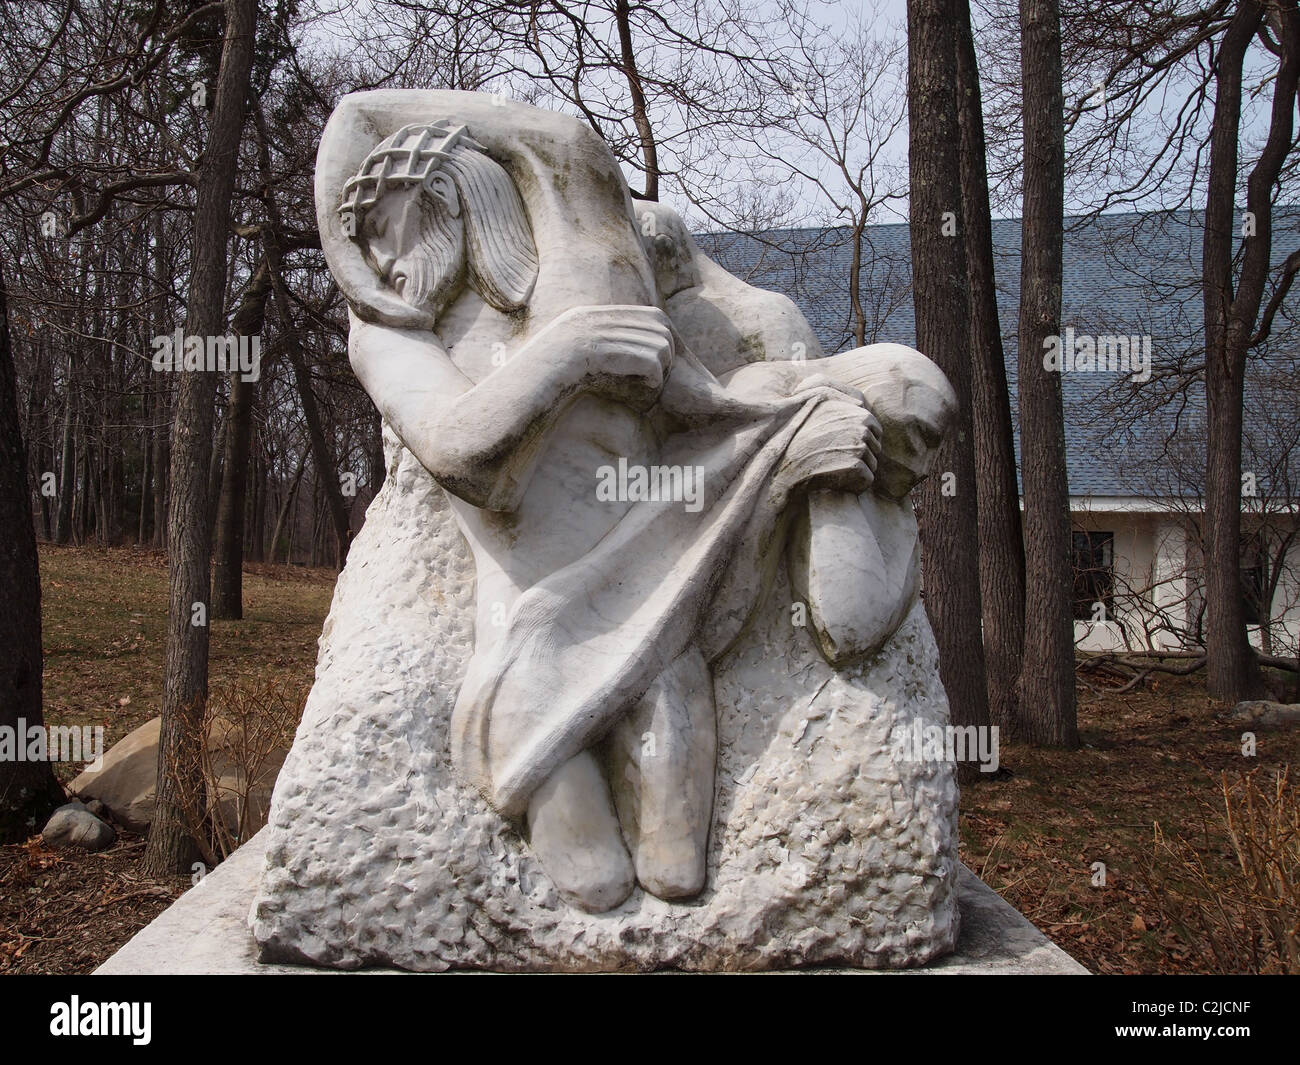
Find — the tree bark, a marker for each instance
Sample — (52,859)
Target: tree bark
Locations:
(640,116)
(65,488)
(228,570)
(947,499)
(161,464)
(170,848)
(1002,545)
(855,281)
(1047,704)
(375,453)
(1229,325)
(28,791)
(161,444)
(146,449)
(256,537)
(285,507)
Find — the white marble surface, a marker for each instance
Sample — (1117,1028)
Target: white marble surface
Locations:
(567,727)
(205,931)
(824,848)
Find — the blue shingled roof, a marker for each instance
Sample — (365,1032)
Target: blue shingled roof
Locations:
(1124,274)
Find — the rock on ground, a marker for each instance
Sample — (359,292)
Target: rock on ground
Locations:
(72,825)
(1263,712)
(127,781)
(126,785)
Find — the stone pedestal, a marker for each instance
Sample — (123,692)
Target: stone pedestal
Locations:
(206,931)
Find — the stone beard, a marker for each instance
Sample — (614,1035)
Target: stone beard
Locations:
(435,269)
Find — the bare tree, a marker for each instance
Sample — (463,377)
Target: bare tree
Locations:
(1230,322)
(1047,704)
(1170,105)
(947,507)
(171,848)
(28,792)
(228,565)
(834,112)
(1002,546)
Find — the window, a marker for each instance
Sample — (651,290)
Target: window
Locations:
(1254,579)
(1094,575)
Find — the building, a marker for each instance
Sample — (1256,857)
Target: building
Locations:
(1131,352)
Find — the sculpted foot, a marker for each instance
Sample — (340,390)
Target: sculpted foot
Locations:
(575,835)
(671,869)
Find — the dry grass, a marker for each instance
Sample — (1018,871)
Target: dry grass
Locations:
(1152,758)
(1255,927)
(104,623)
(105,615)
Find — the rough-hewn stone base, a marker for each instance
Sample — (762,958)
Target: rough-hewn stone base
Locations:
(827,846)
(206,931)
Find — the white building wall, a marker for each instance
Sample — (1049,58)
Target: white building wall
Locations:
(1285,607)
(1158,587)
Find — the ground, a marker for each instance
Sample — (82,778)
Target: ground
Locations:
(1034,833)
(1148,756)
(104,632)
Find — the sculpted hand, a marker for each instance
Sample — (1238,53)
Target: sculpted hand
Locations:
(820,382)
(837,447)
(622,353)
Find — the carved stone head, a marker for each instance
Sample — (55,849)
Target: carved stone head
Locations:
(433,212)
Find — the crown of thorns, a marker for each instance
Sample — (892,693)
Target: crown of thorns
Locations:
(413,155)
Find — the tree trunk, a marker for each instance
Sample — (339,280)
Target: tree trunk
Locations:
(28,792)
(640,116)
(1002,545)
(228,572)
(313,556)
(1047,706)
(161,448)
(171,848)
(375,453)
(855,281)
(161,467)
(947,499)
(82,484)
(146,449)
(285,507)
(1229,324)
(217,449)
(67,463)
(256,540)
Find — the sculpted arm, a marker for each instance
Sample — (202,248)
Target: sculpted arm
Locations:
(480,441)
(476,440)
(855,562)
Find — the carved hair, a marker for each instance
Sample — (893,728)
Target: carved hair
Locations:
(454,169)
